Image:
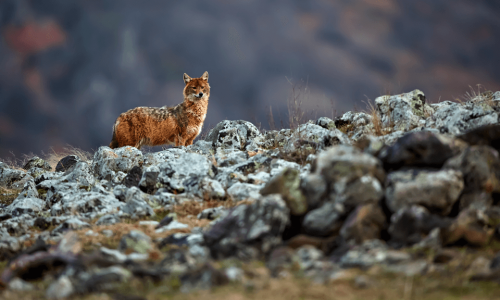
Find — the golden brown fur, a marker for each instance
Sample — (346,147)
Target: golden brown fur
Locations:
(153,126)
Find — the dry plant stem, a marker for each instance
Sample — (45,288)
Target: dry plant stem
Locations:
(376,121)
(295,112)
(270,119)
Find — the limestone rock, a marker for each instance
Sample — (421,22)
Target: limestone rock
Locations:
(232,134)
(248,231)
(288,185)
(403,111)
(364,223)
(435,190)
(108,161)
(67,162)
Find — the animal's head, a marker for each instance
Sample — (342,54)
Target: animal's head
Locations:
(196,88)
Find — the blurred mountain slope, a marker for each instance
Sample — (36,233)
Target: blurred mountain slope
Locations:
(68,68)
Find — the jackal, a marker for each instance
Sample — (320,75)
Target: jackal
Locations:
(153,126)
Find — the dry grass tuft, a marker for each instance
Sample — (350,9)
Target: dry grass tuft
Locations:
(193,208)
(480,96)
(378,127)
(52,158)
(55,156)
(294,103)
(17,162)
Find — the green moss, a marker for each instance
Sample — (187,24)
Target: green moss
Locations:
(162,213)
(42,193)
(174,283)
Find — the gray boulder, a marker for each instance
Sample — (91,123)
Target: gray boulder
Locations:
(480,166)
(410,224)
(352,177)
(404,111)
(37,162)
(487,135)
(61,288)
(249,231)
(56,190)
(184,173)
(232,134)
(135,241)
(108,220)
(201,147)
(314,188)
(211,213)
(472,226)
(363,190)
(138,203)
(435,190)
(29,190)
(315,137)
(455,118)
(326,123)
(356,124)
(18,225)
(87,204)
(278,165)
(70,224)
(418,149)
(370,253)
(9,246)
(325,220)
(366,222)
(157,158)
(108,161)
(11,178)
(149,179)
(229,157)
(80,174)
(347,163)
(273,138)
(67,162)
(242,191)
(25,205)
(209,189)
(287,184)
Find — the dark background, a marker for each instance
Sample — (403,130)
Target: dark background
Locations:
(68,68)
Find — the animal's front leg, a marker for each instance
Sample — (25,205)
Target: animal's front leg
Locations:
(189,141)
(179,141)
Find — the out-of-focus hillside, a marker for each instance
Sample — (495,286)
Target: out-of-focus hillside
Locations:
(69,68)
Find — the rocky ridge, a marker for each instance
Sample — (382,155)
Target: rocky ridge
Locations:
(396,189)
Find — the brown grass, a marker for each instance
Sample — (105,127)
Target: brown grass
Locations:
(480,96)
(378,127)
(186,213)
(371,109)
(7,196)
(193,208)
(55,156)
(262,287)
(52,157)
(17,163)
(294,104)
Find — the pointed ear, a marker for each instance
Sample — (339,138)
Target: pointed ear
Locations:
(205,76)
(187,79)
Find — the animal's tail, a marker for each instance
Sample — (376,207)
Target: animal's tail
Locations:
(114,143)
